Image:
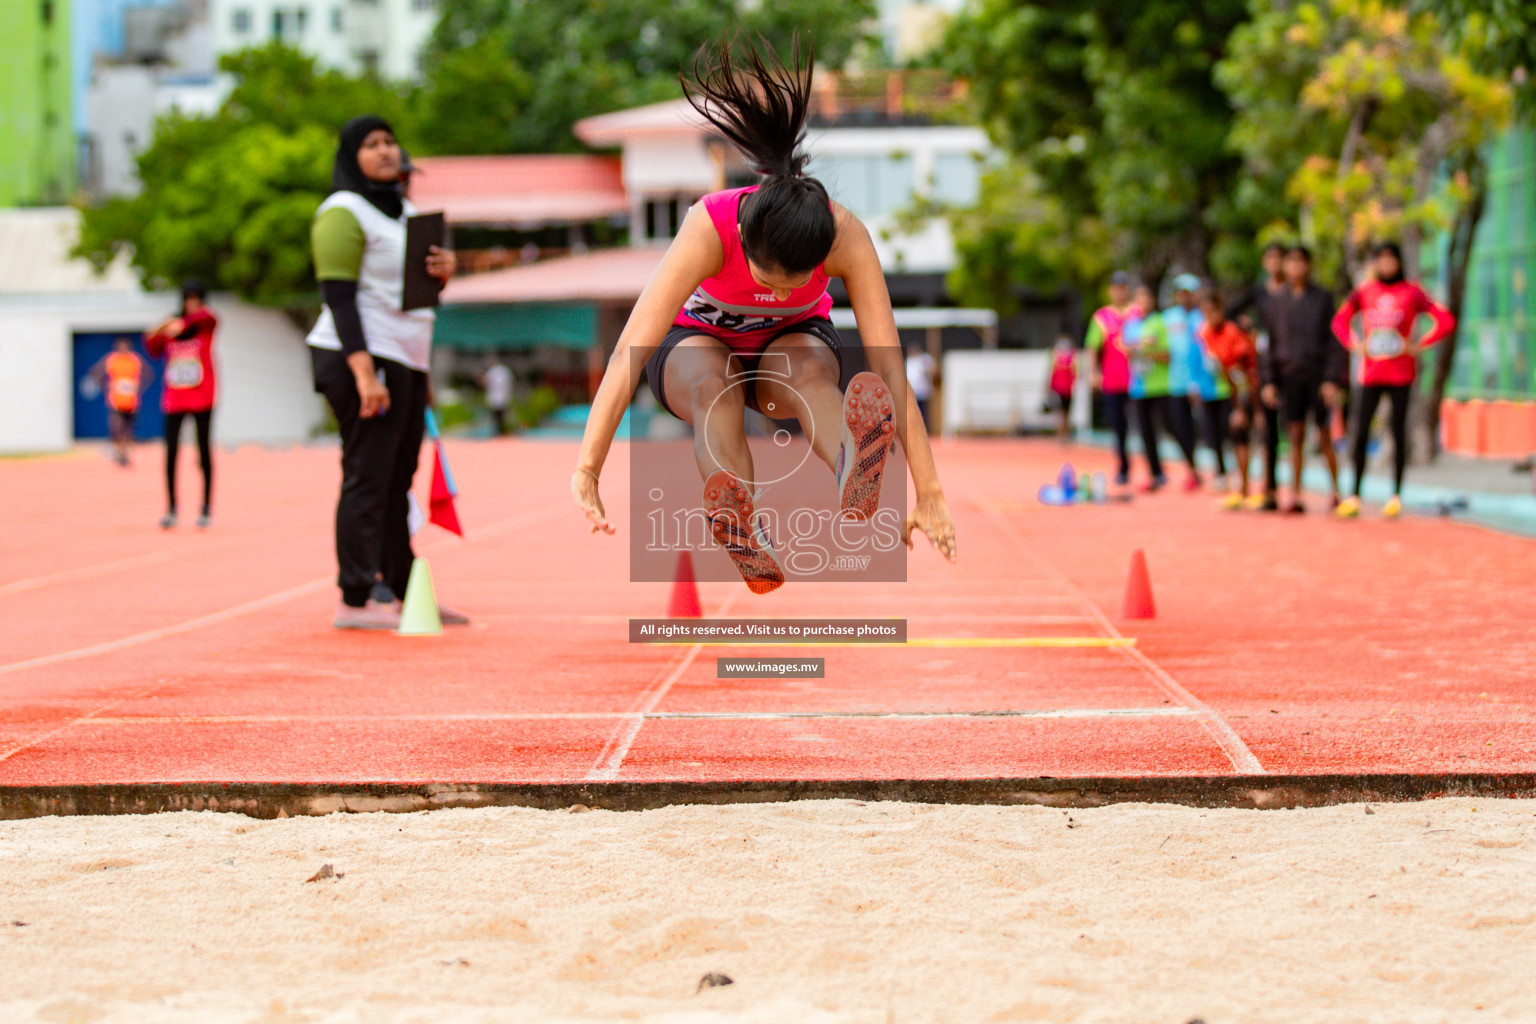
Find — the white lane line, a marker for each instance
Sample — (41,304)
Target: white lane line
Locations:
(1217,727)
(137,639)
(235,612)
(32,741)
(100,569)
(611,758)
(149,636)
(652,716)
(86,572)
(1211,721)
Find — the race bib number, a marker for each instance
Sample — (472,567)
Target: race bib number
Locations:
(125,387)
(1384,344)
(184,370)
(736,323)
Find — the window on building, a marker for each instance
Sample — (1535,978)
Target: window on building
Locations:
(956,179)
(278,22)
(369,60)
(663,217)
(336,19)
(870,186)
(241,21)
(300,20)
(423,5)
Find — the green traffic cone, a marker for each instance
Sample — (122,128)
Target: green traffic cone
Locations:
(418,613)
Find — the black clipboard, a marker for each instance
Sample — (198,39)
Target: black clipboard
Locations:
(422,232)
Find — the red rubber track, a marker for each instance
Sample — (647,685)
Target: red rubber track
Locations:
(1284,645)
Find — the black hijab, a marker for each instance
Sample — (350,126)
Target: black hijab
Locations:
(1395,250)
(192,287)
(347,176)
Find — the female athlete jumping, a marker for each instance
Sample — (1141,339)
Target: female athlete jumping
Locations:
(747,277)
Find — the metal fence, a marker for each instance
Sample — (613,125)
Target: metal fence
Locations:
(1496,355)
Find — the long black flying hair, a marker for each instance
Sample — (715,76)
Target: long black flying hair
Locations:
(761,104)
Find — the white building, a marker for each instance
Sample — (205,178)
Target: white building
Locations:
(353,36)
(912,28)
(878,164)
(123,102)
(54,312)
(878,173)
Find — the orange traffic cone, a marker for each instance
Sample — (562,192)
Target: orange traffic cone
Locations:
(685,595)
(1138,590)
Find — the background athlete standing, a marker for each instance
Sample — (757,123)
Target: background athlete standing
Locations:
(1304,374)
(1111,368)
(1387,306)
(186,342)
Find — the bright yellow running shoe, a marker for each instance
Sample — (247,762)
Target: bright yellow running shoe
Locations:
(1393,508)
(1349,508)
(1232,501)
(1254,501)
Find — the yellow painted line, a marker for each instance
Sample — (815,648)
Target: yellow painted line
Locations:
(1022,641)
(923,642)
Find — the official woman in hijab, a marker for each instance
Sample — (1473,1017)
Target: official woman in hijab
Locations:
(371,362)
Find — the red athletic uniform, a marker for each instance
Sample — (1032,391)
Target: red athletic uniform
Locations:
(731,305)
(1387,313)
(1064,371)
(189,384)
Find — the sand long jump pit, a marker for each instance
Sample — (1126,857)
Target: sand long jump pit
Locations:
(817,911)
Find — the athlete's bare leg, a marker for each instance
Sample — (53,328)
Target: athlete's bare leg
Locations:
(701,391)
(810,393)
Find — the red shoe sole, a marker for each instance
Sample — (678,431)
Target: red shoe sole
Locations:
(729,506)
(868,415)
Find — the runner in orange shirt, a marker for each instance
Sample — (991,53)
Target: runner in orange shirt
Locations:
(1234,350)
(125,377)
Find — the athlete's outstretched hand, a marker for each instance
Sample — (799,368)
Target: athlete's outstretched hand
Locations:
(931,515)
(584,490)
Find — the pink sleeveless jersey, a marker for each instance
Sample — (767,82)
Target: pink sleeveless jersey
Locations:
(733,307)
(1116,367)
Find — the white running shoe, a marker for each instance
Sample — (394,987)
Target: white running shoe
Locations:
(372,615)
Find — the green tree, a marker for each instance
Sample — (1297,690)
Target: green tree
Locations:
(585,57)
(473,99)
(1376,120)
(1498,37)
(1115,109)
(1021,237)
(229,198)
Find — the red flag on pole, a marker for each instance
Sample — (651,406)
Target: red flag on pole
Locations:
(441,510)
